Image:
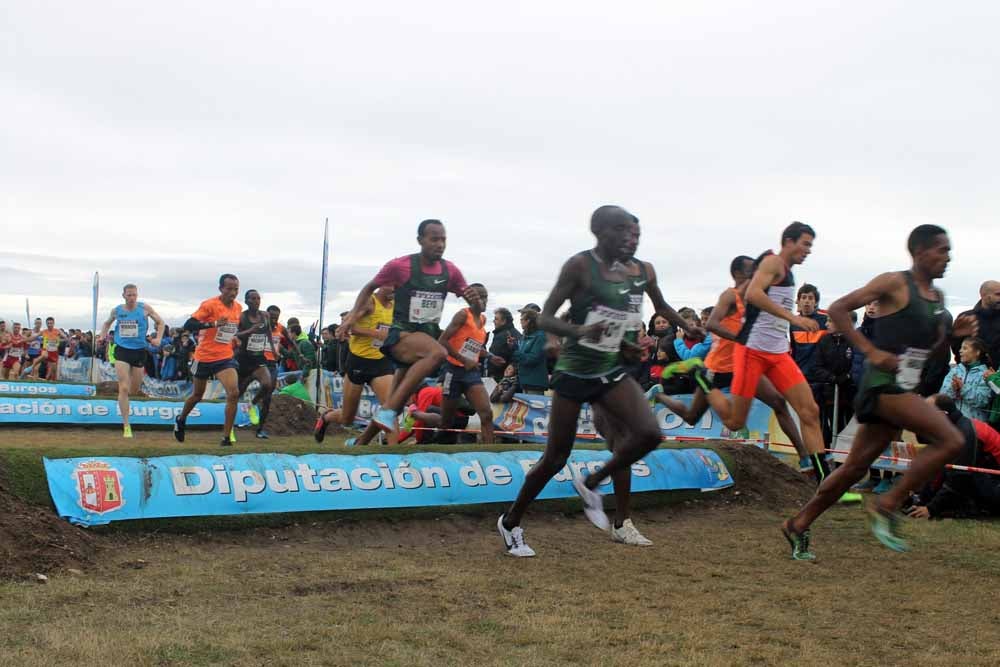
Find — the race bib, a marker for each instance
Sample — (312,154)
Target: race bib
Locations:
(256,342)
(52,345)
(225,333)
(470,350)
(911,365)
(426,307)
(15,352)
(635,307)
(377,342)
(615,325)
(128,328)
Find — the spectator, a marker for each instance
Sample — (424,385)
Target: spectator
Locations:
(987,312)
(85,348)
(663,334)
(966,381)
(343,350)
(706,313)
(507,387)
(833,375)
(804,343)
(505,339)
(304,353)
(331,349)
(183,349)
(688,348)
(529,354)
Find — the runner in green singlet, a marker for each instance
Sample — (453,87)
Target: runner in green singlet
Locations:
(590,368)
(911,328)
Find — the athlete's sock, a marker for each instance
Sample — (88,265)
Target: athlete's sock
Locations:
(821,466)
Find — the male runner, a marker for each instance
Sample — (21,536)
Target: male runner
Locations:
(255,340)
(910,330)
(465,340)
(16,348)
(366,365)
(724,323)
(34,338)
(421,282)
(130,346)
(51,337)
(218,321)
(763,347)
(590,369)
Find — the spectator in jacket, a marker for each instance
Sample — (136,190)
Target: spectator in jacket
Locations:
(966,381)
(304,353)
(987,312)
(688,348)
(505,339)
(529,354)
(833,370)
(507,387)
(804,343)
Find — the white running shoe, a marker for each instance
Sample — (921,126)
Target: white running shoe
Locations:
(513,539)
(629,534)
(593,505)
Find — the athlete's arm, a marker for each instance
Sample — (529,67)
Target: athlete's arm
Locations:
(160,325)
(664,310)
(362,331)
(771,269)
(357,312)
(881,288)
(445,340)
(106,327)
(568,281)
(722,308)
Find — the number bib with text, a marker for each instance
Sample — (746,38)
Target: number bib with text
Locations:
(615,325)
(256,342)
(471,350)
(128,328)
(911,365)
(225,333)
(376,342)
(426,307)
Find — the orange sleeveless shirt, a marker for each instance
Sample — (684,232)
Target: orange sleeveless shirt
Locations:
(720,357)
(469,340)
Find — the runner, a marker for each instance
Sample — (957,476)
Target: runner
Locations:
(590,369)
(421,282)
(366,365)
(911,328)
(255,340)
(763,347)
(465,340)
(51,338)
(34,338)
(724,324)
(130,346)
(15,348)
(218,321)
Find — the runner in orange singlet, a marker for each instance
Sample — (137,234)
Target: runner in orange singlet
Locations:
(465,338)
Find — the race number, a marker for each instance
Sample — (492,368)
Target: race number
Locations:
(256,342)
(225,333)
(470,350)
(911,365)
(615,325)
(377,342)
(426,307)
(128,328)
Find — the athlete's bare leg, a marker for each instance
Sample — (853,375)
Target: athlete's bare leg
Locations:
(689,413)
(385,385)
(769,396)
(229,379)
(626,403)
(480,401)
(128,378)
(423,355)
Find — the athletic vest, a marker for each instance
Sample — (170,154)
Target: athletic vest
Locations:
(380,318)
(911,333)
(131,327)
(35,346)
(763,331)
(16,349)
(720,357)
(420,302)
(257,343)
(603,301)
(470,338)
(637,291)
(276,339)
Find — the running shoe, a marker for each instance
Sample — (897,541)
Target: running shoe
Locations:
(513,540)
(629,534)
(226,442)
(319,429)
(126,431)
(851,497)
(593,505)
(385,419)
(883,486)
(254,414)
(681,367)
(700,377)
(179,429)
(350,442)
(262,434)
(867,485)
(652,392)
(885,527)
(805,463)
(798,541)
(408,419)
(232,435)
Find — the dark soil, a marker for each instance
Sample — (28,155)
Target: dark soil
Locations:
(763,480)
(33,540)
(290,416)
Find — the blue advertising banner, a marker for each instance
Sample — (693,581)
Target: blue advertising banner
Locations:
(97,411)
(46,389)
(93,491)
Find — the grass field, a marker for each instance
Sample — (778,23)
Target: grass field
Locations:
(435,588)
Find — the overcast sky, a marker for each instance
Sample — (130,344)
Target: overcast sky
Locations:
(166,143)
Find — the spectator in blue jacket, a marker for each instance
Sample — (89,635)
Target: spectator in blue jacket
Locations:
(966,383)
(804,344)
(688,348)
(529,354)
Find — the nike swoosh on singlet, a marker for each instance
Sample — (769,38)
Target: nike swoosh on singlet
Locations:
(623,291)
(438,282)
(639,283)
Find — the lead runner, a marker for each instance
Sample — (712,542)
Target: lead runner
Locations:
(590,367)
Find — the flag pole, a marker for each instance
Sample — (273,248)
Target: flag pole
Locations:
(93,345)
(322,308)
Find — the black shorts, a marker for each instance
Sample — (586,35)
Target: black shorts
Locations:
(134,358)
(361,371)
(586,390)
(455,380)
(203,370)
(866,402)
(721,380)
(248,364)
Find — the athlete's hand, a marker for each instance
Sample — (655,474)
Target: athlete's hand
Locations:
(882,360)
(381,334)
(919,512)
(344,331)
(965,326)
(591,332)
(472,296)
(497,361)
(155,342)
(469,365)
(807,323)
(696,332)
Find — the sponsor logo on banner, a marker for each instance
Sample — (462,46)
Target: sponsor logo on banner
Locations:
(99,486)
(717,467)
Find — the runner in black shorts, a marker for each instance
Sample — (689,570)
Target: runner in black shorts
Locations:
(255,339)
(911,329)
